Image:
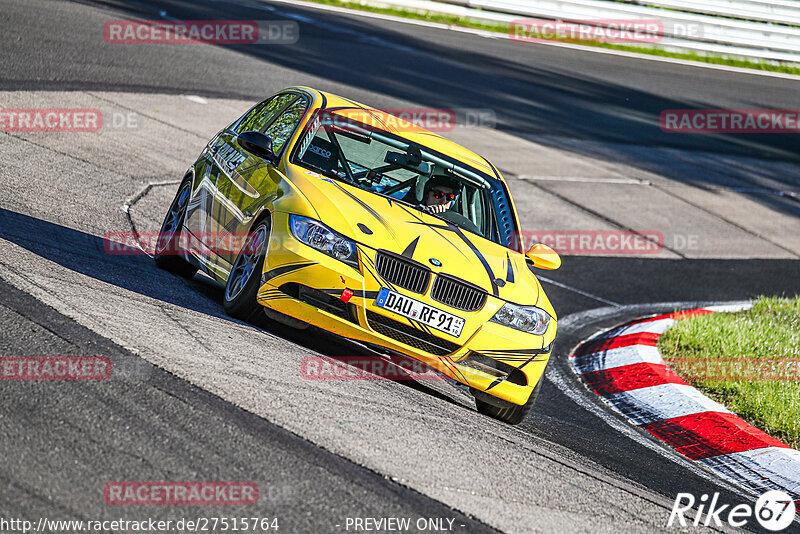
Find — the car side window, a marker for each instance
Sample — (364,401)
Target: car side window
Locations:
(259,118)
(280,130)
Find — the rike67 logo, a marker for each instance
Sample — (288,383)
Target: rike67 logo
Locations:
(774,511)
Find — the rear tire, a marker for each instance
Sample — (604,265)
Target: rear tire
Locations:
(241,289)
(505,411)
(166,254)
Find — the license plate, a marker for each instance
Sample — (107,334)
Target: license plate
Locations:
(420,312)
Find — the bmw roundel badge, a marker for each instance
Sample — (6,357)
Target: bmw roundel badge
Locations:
(435,262)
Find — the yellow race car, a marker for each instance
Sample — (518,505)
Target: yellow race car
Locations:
(318,210)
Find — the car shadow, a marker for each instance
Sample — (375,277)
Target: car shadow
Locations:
(132,270)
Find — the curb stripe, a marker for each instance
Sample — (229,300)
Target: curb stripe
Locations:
(760,469)
(677,315)
(623,366)
(657,403)
(630,377)
(597,361)
(653,327)
(627,340)
(705,435)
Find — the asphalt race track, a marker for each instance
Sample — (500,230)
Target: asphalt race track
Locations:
(202,397)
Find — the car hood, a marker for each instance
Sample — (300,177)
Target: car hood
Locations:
(379,222)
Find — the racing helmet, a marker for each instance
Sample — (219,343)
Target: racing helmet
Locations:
(441,177)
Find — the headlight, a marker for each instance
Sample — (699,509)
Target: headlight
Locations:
(317,235)
(526,318)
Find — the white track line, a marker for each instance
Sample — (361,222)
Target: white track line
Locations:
(578,291)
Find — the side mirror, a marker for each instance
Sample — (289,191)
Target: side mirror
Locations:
(544,257)
(258,144)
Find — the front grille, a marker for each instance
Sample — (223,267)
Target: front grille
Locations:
(410,335)
(457,293)
(402,272)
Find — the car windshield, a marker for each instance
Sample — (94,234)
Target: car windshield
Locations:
(386,164)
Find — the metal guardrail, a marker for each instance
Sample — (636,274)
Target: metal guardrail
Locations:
(776,11)
(749,29)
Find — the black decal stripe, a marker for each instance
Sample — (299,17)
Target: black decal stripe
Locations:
(525,361)
(367,207)
(456,370)
(270,292)
(266,295)
(422,326)
(380,121)
(493,384)
(517,352)
(370,112)
(285,269)
(533,355)
(409,251)
(456,230)
(434,228)
(416,324)
(507,358)
(510,273)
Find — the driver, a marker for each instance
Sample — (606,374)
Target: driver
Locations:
(440,193)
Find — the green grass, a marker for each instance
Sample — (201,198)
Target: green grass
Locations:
(503,28)
(752,343)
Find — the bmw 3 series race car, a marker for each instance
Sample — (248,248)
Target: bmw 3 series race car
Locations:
(316,208)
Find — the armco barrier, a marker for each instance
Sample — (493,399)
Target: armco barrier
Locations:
(751,29)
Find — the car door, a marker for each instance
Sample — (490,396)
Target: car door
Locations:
(246,182)
(198,210)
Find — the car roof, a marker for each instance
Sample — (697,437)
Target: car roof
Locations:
(407,130)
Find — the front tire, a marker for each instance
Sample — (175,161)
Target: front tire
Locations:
(166,254)
(241,289)
(505,411)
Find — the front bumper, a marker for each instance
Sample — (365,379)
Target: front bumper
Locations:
(306,284)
